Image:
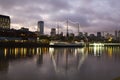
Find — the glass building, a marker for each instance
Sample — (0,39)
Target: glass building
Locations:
(41,27)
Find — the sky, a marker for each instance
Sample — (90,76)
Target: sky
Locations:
(92,15)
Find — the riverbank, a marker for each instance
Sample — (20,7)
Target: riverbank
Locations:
(39,44)
(23,44)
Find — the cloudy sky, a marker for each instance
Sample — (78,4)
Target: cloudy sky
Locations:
(92,15)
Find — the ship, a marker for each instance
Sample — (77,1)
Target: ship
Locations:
(66,44)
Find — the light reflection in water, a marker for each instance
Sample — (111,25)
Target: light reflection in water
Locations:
(98,61)
(70,58)
(98,50)
(18,52)
(5,52)
(110,51)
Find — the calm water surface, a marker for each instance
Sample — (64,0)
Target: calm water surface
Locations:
(93,63)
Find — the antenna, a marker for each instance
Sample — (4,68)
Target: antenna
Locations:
(67,28)
(58,28)
(78,28)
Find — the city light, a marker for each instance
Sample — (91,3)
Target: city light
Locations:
(98,44)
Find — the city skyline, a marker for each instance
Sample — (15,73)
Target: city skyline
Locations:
(92,15)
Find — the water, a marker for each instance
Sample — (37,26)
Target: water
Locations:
(93,63)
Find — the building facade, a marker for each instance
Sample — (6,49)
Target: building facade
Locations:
(116,35)
(41,27)
(80,34)
(53,32)
(4,22)
(119,36)
(99,35)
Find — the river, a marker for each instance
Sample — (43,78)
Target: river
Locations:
(88,63)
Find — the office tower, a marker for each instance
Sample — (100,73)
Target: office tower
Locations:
(41,27)
(116,35)
(119,36)
(99,34)
(53,32)
(4,22)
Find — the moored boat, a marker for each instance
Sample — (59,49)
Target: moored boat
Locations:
(66,44)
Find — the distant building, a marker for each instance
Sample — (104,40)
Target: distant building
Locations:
(99,34)
(24,29)
(53,32)
(92,36)
(86,34)
(80,34)
(116,35)
(41,27)
(61,34)
(107,35)
(12,34)
(4,22)
(119,36)
(72,34)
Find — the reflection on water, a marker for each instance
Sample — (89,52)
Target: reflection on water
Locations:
(89,63)
(11,54)
(69,59)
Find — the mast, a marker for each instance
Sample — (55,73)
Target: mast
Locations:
(67,29)
(78,28)
(58,28)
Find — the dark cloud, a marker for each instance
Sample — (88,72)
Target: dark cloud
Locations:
(92,15)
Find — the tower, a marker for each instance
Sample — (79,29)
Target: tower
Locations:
(99,34)
(67,34)
(53,32)
(119,36)
(116,35)
(41,27)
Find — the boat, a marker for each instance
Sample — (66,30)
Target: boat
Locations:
(66,44)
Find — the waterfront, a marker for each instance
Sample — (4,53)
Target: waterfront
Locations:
(88,63)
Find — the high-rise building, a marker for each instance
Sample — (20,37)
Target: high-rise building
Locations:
(4,22)
(119,36)
(53,32)
(116,35)
(86,34)
(99,34)
(41,27)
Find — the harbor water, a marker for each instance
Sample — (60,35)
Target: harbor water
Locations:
(45,63)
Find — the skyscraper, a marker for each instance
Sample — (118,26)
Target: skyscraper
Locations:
(53,32)
(41,27)
(99,34)
(116,35)
(119,36)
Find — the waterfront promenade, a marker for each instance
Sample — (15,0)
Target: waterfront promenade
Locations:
(47,44)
